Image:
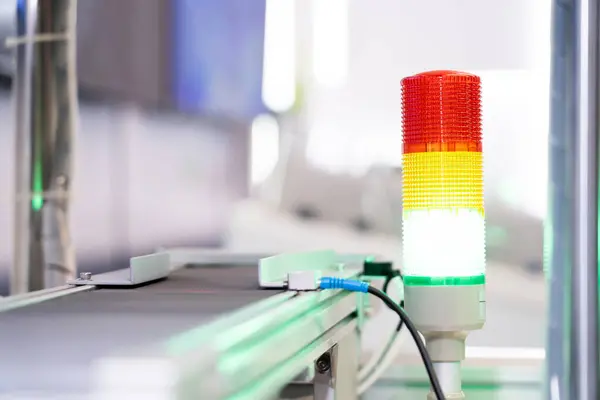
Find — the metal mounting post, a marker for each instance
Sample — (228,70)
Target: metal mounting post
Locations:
(571,235)
(45,91)
(335,374)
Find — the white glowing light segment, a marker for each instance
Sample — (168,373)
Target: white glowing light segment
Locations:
(443,243)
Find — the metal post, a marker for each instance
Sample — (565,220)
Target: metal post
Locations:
(46,106)
(345,367)
(571,231)
(323,382)
(339,381)
(22,97)
(335,374)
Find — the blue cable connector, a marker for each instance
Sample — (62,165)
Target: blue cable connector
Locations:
(345,284)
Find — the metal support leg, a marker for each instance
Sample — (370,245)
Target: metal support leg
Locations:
(323,383)
(345,367)
(335,375)
(339,381)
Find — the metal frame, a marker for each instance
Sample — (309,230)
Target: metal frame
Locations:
(46,101)
(572,236)
(27,299)
(250,354)
(334,376)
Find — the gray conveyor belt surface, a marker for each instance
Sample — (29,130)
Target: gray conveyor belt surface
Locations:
(49,347)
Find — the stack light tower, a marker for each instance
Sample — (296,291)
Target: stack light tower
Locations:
(443,216)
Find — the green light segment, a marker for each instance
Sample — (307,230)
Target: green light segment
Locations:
(444,281)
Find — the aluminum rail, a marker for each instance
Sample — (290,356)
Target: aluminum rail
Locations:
(253,352)
(28,299)
(205,332)
(571,236)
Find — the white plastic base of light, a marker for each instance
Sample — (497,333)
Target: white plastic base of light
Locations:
(440,243)
(448,374)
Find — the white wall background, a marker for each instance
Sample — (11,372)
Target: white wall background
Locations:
(358,123)
(141,180)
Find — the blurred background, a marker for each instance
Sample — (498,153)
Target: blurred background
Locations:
(275,125)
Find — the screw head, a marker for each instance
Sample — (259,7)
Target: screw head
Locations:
(323,364)
(85,276)
(61,180)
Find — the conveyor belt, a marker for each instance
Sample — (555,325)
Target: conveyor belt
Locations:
(49,347)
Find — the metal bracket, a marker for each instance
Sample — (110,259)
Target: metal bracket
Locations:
(324,385)
(39,38)
(184,256)
(273,271)
(334,376)
(141,270)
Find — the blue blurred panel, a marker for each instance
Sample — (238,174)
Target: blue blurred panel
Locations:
(218,58)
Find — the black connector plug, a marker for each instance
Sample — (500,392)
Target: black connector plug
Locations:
(378,268)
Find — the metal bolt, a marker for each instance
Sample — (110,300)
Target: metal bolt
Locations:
(85,276)
(323,364)
(61,180)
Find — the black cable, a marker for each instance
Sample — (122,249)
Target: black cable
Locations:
(435,384)
(386,284)
(395,274)
(401,323)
